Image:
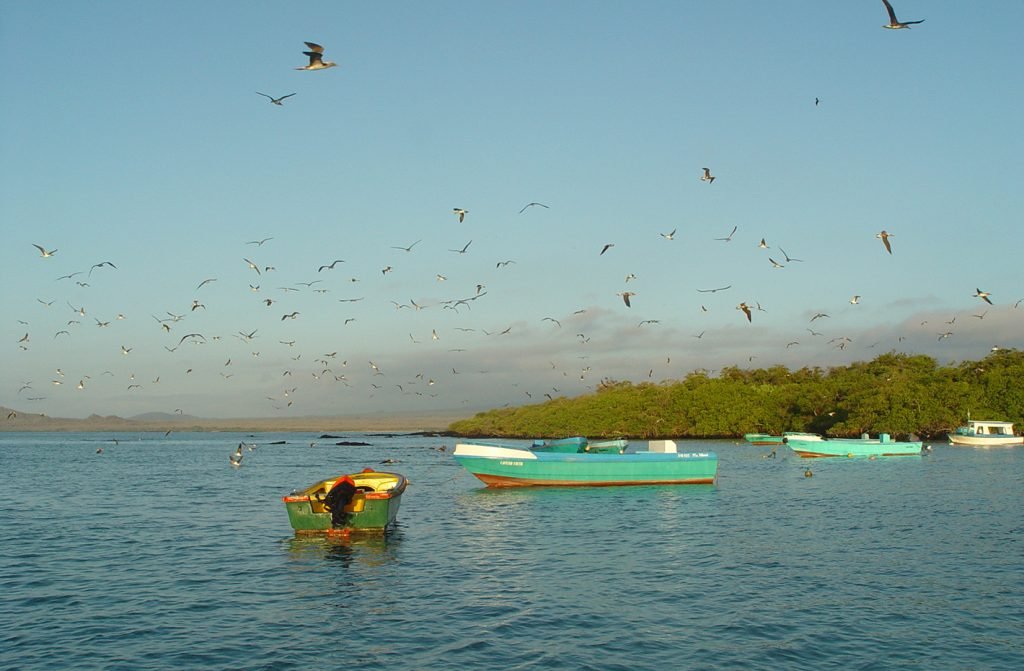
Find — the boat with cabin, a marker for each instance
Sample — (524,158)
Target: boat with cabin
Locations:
(364,501)
(501,465)
(985,433)
(883,446)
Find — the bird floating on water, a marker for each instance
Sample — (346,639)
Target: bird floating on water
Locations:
(894,23)
(316,58)
(276,101)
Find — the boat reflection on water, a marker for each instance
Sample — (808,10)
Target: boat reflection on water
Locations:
(365,549)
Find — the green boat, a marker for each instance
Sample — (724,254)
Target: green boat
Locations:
(883,446)
(499,465)
(762,439)
(373,505)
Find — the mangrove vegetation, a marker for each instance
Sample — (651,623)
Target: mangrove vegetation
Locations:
(899,394)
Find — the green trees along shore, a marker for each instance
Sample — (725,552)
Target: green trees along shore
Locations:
(897,394)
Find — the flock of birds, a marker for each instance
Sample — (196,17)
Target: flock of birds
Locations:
(329,366)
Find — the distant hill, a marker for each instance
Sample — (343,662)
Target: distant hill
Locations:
(17,420)
(162,417)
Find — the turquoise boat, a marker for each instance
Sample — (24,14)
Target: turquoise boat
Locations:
(661,464)
(883,446)
(762,439)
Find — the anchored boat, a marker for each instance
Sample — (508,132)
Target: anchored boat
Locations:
(364,501)
(762,439)
(984,433)
(499,465)
(883,446)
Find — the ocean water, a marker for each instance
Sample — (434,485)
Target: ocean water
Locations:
(156,554)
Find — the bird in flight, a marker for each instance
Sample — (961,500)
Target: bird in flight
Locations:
(44,253)
(983,295)
(788,260)
(711,291)
(529,205)
(276,101)
(668,236)
(884,237)
(332,264)
(460,213)
(100,265)
(463,250)
(258,243)
(625,297)
(728,238)
(746,310)
(894,23)
(606,248)
(252,265)
(409,248)
(316,58)
(707,176)
(855,300)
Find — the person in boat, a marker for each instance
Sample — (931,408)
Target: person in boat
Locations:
(339,497)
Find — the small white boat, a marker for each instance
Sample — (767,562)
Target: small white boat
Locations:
(985,433)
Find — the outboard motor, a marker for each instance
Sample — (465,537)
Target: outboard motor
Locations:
(336,500)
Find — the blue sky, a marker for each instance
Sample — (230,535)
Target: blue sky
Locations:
(132,134)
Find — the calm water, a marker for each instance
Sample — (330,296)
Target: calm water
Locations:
(156,554)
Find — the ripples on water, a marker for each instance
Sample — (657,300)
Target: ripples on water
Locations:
(156,554)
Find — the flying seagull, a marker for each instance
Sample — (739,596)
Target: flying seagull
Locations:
(316,58)
(885,240)
(668,236)
(460,213)
(331,265)
(894,23)
(528,205)
(276,101)
(728,238)
(707,176)
(625,297)
(788,259)
(746,310)
(605,249)
(983,295)
(44,253)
